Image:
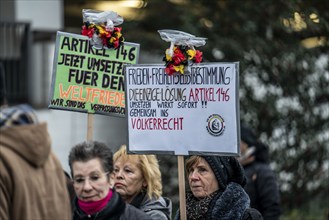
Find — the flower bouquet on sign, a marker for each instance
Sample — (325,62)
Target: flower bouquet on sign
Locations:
(101,28)
(181,52)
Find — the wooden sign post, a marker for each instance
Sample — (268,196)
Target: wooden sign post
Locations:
(90,127)
(181,181)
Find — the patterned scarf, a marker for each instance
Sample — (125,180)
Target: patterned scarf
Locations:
(196,209)
(17,115)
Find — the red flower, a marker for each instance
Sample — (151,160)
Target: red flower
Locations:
(104,40)
(87,31)
(177,62)
(117,29)
(198,56)
(178,57)
(170,69)
(116,43)
(108,34)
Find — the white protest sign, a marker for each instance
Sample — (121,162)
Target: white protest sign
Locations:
(192,113)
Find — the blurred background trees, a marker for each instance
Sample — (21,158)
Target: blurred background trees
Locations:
(282,47)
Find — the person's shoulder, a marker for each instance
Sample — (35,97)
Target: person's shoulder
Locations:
(132,213)
(261,166)
(160,208)
(167,201)
(160,202)
(264,171)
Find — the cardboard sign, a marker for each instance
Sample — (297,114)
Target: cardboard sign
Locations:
(89,80)
(192,113)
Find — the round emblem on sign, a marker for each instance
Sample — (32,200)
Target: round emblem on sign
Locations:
(215,125)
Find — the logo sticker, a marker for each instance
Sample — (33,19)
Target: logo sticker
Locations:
(215,125)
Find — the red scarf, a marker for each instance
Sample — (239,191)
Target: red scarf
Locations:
(94,206)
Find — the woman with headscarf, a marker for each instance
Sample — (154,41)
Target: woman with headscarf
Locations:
(216,190)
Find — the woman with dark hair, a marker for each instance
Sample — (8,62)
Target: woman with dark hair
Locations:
(91,165)
(262,186)
(216,190)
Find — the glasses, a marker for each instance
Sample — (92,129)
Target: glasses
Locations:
(92,179)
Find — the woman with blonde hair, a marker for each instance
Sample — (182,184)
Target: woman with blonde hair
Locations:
(137,178)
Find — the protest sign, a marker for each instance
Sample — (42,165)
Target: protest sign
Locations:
(89,80)
(192,113)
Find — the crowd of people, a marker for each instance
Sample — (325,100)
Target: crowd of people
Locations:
(104,185)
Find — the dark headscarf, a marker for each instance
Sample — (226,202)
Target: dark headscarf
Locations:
(230,201)
(226,169)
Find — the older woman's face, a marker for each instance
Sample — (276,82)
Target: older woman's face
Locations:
(89,180)
(202,179)
(128,179)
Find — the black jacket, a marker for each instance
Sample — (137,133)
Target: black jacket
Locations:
(262,189)
(116,209)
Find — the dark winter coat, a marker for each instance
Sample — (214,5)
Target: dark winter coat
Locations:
(116,209)
(262,186)
(262,189)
